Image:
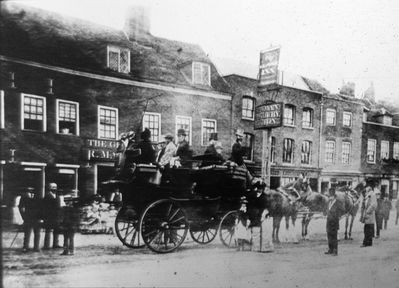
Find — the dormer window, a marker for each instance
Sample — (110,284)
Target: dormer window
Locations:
(201,73)
(118,59)
(387,120)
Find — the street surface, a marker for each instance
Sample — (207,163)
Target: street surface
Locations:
(101,261)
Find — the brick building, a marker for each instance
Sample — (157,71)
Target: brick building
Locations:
(340,140)
(320,135)
(380,149)
(70,87)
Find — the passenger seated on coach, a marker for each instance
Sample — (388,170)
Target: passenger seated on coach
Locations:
(147,154)
(166,152)
(183,153)
(215,158)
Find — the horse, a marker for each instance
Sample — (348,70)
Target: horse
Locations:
(278,207)
(352,212)
(317,202)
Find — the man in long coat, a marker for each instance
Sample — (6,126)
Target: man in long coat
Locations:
(369,206)
(332,227)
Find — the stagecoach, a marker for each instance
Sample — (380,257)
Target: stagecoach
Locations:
(201,200)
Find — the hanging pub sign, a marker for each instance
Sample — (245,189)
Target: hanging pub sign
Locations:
(268,115)
(268,66)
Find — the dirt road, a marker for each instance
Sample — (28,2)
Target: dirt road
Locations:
(100,261)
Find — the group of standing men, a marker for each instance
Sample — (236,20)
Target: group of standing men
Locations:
(371,213)
(50,213)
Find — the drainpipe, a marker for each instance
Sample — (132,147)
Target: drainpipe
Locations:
(320,141)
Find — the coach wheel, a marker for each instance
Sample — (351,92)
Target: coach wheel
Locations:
(227,229)
(163,226)
(205,232)
(126,227)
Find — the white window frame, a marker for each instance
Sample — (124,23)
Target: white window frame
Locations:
(292,151)
(310,152)
(384,152)
(349,152)
(395,154)
(374,151)
(2,125)
(253,107)
(44,127)
(310,110)
(202,82)
(335,117)
(252,137)
(116,49)
(273,152)
(57,125)
(350,118)
(293,109)
(327,152)
(99,107)
(159,124)
(191,128)
(203,141)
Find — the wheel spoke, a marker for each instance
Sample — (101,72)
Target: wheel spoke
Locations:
(158,234)
(174,214)
(176,220)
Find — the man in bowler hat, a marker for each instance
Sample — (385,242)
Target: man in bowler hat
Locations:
(183,149)
(29,207)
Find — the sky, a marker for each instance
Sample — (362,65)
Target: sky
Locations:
(329,41)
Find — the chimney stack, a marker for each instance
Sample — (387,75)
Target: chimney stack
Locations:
(348,89)
(137,22)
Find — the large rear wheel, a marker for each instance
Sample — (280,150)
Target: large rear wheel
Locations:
(163,226)
(227,228)
(126,227)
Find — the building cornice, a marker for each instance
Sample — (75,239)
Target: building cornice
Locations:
(380,124)
(163,87)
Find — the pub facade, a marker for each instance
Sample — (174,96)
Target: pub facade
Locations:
(69,88)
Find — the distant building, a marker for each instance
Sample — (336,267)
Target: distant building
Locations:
(70,87)
(380,149)
(340,145)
